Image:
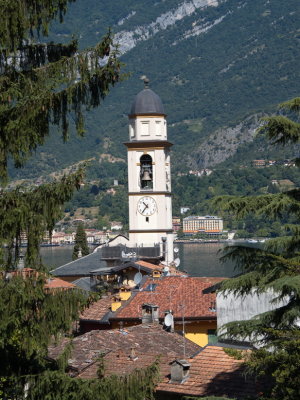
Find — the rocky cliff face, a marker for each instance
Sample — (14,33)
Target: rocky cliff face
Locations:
(127,40)
(223,143)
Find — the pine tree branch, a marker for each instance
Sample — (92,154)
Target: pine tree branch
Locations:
(32,211)
(272,205)
(291,105)
(30,101)
(281,130)
(23,17)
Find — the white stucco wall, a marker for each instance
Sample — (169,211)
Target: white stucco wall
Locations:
(237,308)
(147,128)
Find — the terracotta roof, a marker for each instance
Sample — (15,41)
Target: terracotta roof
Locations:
(56,283)
(51,283)
(120,362)
(25,272)
(173,292)
(213,372)
(151,266)
(145,339)
(147,267)
(97,310)
(160,267)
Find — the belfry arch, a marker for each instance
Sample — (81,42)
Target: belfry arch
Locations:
(146,172)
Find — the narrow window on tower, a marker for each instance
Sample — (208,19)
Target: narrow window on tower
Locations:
(145,128)
(147,219)
(131,130)
(146,173)
(158,128)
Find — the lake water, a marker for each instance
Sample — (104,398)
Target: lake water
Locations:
(203,260)
(196,259)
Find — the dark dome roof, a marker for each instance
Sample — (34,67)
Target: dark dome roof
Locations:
(147,102)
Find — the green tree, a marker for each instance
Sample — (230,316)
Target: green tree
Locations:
(80,243)
(43,84)
(274,268)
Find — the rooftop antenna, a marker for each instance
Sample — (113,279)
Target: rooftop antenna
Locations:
(183,328)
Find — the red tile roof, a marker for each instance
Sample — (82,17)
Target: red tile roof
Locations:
(180,294)
(153,267)
(119,362)
(97,310)
(24,272)
(213,372)
(56,283)
(145,339)
(51,283)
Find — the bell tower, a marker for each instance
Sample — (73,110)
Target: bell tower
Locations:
(149,174)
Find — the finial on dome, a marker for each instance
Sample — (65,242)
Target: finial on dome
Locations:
(146,81)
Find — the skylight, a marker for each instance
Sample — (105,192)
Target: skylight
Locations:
(151,287)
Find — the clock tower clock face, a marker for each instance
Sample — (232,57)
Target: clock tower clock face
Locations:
(147,206)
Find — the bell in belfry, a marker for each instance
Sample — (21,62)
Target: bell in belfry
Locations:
(146,176)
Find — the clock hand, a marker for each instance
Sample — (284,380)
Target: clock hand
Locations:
(146,206)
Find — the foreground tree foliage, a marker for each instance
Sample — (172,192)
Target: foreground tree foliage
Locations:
(274,268)
(30,319)
(44,84)
(139,385)
(32,211)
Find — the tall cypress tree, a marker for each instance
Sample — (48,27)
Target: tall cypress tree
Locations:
(42,85)
(275,268)
(80,243)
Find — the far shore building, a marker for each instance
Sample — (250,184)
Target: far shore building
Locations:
(93,236)
(116,226)
(259,163)
(176,223)
(208,224)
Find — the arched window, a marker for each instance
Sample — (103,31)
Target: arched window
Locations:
(146,173)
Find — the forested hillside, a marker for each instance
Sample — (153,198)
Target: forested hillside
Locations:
(213,63)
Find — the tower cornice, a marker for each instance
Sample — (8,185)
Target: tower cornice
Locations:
(147,144)
(152,115)
(150,193)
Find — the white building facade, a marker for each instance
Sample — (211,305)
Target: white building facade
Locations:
(149,175)
(207,224)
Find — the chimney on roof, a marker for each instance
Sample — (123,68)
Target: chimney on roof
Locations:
(150,313)
(180,371)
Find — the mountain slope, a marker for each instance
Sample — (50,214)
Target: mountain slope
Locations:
(212,62)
